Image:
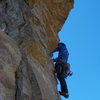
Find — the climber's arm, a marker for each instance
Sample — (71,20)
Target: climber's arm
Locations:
(55,50)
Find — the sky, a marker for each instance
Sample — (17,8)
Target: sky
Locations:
(81,34)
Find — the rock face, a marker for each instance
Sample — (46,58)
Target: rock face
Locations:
(28,33)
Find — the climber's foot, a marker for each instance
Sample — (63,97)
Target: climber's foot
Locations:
(64,94)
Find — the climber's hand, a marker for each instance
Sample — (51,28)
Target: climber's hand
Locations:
(50,54)
(70,74)
(54,60)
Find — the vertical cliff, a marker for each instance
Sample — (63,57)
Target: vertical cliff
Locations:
(28,33)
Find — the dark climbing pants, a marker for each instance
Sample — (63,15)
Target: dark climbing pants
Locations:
(61,76)
(62,83)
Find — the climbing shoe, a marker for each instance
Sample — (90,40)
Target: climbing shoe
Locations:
(64,94)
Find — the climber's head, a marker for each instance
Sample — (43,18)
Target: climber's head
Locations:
(61,44)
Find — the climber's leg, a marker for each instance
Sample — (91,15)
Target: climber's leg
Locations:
(64,89)
(62,83)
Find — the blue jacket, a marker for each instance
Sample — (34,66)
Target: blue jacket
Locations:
(63,53)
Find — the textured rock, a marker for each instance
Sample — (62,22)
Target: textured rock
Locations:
(28,33)
(10,58)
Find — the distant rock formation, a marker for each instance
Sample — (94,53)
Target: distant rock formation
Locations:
(28,33)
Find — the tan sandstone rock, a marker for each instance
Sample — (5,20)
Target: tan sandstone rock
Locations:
(28,33)
(10,58)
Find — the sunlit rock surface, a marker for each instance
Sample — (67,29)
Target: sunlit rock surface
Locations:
(28,33)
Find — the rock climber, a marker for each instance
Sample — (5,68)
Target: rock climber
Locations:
(62,67)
